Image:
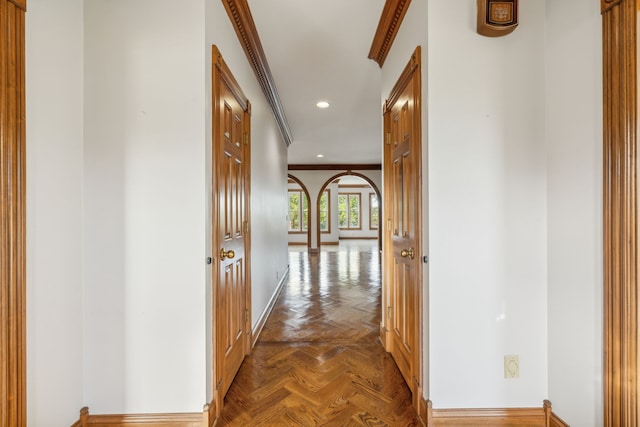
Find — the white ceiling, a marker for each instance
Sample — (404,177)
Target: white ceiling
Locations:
(317,50)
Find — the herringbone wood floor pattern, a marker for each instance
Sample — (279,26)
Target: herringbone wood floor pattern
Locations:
(318,361)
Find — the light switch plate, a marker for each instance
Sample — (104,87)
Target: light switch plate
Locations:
(512,366)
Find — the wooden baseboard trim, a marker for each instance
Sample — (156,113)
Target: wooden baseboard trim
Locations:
(522,417)
(191,419)
(82,421)
(147,420)
(556,421)
(209,414)
(330,243)
(255,334)
(357,238)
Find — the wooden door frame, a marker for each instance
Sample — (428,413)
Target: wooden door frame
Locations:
(12,214)
(620,212)
(221,73)
(411,70)
(306,192)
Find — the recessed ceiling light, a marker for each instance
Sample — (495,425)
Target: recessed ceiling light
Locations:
(322,104)
(320,155)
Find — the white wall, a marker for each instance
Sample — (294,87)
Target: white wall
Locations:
(119,224)
(54,57)
(486,198)
(574,159)
(144,163)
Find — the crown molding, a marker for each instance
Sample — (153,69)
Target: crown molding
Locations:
(240,16)
(388,26)
(335,167)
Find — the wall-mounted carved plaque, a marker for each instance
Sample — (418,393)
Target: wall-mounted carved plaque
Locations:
(497,17)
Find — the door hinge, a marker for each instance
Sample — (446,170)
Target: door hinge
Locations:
(246,226)
(389,312)
(388,138)
(246,139)
(388,225)
(246,315)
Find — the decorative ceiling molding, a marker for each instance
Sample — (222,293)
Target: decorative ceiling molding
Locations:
(335,167)
(390,20)
(240,16)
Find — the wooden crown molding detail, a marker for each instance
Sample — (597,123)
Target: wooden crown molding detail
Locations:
(388,26)
(620,213)
(12,215)
(335,167)
(240,16)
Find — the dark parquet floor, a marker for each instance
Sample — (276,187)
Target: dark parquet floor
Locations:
(319,361)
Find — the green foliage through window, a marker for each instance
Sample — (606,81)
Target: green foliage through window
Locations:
(374,211)
(349,210)
(298,211)
(324,211)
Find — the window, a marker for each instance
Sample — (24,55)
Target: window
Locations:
(374,211)
(298,211)
(325,208)
(349,210)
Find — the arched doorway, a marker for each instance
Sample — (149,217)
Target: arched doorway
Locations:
(304,190)
(334,178)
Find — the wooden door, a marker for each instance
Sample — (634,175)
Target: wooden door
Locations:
(403,209)
(232,326)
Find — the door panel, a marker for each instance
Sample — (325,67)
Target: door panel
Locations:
(403,318)
(230,240)
(402,329)
(232,274)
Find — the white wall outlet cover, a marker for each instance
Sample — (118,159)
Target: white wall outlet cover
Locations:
(511,366)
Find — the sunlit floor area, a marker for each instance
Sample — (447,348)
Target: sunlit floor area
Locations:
(319,361)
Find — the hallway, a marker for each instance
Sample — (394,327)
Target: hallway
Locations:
(318,361)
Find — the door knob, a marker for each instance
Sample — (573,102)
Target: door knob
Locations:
(226,254)
(407,253)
